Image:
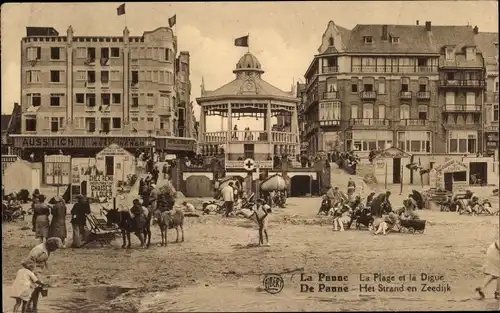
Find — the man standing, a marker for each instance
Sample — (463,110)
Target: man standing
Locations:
(228,197)
(79,220)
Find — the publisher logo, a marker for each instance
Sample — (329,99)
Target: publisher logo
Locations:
(273,283)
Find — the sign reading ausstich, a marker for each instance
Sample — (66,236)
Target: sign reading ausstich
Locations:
(102,186)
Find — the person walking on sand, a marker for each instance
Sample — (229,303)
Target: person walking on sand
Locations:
(58,223)
(228,197)
(41,212)
(261,213)
(79,220)
(24,286)
(491,268)
(351,187)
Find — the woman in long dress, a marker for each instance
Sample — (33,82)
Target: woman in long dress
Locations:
(491,268)
(58,223)
(41,212)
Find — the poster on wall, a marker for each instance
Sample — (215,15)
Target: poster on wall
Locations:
(102,188)
(57,169)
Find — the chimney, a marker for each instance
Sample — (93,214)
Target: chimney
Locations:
(418,22)
(475,30)
(384,33)
(428,26)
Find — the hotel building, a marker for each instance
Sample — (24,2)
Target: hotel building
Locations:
(80,94)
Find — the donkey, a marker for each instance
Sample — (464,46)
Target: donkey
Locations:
(126,224)
(167,220)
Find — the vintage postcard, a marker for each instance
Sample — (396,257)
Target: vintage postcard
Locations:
(250,156)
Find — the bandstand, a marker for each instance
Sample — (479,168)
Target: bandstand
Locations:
(248,95)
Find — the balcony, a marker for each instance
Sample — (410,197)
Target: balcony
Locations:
(423,95)
(405,95)
(163,110)
(462,108)
(413,122)
(329,123)
(369,122)
(467,83)
(330,95)
(330,69)
(368,95)
(239,136)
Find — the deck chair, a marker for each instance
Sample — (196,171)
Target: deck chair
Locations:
(100,232)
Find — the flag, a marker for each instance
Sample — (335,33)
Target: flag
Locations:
(121,9)
(241,42)
(172,20)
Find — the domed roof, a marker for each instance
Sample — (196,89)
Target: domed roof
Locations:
(248,62)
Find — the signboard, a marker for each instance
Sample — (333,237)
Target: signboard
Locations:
(433,178)
(102,187)
(75,175)
(57,169)
(460,187)
(8,160)
(114,149)
(249,164)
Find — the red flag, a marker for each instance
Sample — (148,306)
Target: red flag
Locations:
(121,9)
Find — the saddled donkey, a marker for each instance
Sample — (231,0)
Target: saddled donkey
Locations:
(140,225)
(167,220)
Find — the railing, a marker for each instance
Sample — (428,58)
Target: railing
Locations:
(405,95)
(423,95)
(330,95)
(462,83)
(330,69)
(368,95)
(413,122)
(248,136)
(462,108)
(369,122)
(394,69)
(329,122)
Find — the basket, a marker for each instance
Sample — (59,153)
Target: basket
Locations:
(44,292)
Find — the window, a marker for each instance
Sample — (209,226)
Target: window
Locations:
(116,98)
(91,54)
(331,85)
(115,76)
(105,125)
(80,98)
(381,111)
(117,123)
(35,99)
(54,124)
(90,124)
(462,142)
(354,111)
(104,56)
(80,53)
(151,99)
(495,112)
(105,77)
(79,123)
(81,76)
(450,98)
(470,98)
(165,100)
(450,54)
(91,77)
(496,85)
(33,53)
(55,76)
(404,112)
(148,76)
(414,141)
(115,52)
(395,39)
(33,76)
(421,62)
(367,111)
(55,100)
(149,53)
(135,100)
(422,112)
(167,54)
(328,111)
(55,53)
(105,99)
(368,39)
(405,84)
(30,124)
(90,99)
(330,41)
(381,86)
(154,76)
(135,77)
(470,53)
(161,77)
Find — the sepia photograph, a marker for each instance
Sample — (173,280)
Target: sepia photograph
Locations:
(253,156)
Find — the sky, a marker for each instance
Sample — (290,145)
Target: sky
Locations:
(284,36)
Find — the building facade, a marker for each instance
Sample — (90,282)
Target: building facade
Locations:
(488,44)
(80,94)
(418,87)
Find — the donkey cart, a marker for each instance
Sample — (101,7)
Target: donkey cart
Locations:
(412,226)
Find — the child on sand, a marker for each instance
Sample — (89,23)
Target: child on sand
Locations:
(24,285)
(261,212)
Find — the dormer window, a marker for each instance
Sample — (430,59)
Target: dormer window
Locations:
(368,39)
(395,39)
(450,53)
(470,53)
(330,41)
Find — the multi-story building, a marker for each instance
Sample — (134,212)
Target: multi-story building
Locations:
(418,87)
(11,124)
(488,45)
(185,124)
(80,94)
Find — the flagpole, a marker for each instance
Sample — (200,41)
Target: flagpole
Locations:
(248,42)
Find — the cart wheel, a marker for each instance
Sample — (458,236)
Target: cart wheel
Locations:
(411,230)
